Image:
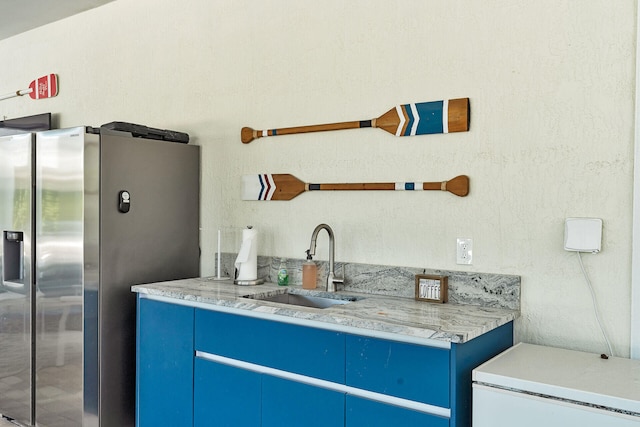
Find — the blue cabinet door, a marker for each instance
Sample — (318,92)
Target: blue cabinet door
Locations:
(398,369)
(289,403)
(368,413)
(164,364)
(225,395)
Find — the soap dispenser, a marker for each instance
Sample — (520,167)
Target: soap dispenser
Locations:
(283,274)
(309,273)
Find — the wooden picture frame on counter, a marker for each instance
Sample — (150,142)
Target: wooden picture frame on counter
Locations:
(431,288)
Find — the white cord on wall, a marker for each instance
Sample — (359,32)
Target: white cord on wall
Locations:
(595,306)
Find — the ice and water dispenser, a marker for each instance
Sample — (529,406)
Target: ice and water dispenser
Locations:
(13,258)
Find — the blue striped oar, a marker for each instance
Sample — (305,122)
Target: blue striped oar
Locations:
(286,186)
(404,120)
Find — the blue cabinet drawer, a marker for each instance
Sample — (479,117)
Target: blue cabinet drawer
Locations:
(367,413)
(289,403)
(225,395)
(403,370)
(302,350)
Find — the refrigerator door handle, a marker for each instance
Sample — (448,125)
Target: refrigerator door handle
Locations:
(13,260)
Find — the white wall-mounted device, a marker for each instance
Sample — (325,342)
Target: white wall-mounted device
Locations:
(583,234)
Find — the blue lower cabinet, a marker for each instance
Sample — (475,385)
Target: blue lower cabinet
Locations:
(178,389)
(289,403)
(225,395)
(164,364)
(368,413)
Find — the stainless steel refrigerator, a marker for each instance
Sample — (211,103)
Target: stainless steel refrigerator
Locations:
(85,213)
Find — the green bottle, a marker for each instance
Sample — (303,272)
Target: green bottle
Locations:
(283,275)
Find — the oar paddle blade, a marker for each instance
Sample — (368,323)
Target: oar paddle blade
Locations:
(271,187)
(426,118)
(459,115)
(44,87)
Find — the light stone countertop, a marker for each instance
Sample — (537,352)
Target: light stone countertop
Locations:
(399,318)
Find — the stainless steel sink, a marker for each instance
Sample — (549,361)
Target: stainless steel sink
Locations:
(320,300)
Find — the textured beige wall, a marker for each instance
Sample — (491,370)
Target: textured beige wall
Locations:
(551,85)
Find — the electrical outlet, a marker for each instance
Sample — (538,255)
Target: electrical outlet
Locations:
(464,251)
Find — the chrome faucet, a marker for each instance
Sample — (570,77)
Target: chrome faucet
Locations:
(331,278)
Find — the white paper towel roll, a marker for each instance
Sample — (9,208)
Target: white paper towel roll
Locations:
(247,260)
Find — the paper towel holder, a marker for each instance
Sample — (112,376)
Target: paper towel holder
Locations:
(248,249)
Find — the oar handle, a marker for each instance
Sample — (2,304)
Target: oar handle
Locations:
(248,134)
(16,93)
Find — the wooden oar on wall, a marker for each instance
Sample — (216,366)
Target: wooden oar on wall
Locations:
(404,120)
(286,186)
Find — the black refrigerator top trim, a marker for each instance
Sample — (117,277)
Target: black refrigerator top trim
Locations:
(142,131)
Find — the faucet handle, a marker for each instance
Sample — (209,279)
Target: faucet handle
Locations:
(331,287)
(337,279)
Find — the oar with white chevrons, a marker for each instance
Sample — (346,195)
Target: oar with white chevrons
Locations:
(286,186)
(40,88)
(404,120)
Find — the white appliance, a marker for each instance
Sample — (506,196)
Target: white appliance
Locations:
(530,385)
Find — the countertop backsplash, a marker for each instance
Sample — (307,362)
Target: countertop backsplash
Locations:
(470,288)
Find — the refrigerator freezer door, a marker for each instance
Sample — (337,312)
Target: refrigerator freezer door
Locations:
(16,206)
(60,234)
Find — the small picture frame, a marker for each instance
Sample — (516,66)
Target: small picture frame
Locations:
(431,288)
